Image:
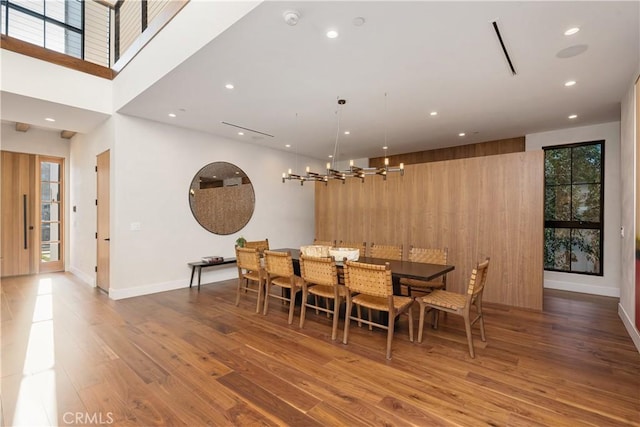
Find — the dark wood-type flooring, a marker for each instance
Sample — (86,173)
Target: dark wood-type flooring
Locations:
(71,356)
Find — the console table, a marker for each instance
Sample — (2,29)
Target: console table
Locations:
(199,265)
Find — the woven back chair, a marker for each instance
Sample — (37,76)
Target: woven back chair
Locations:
(320,276)
(249,270)
(427,256)
(361,246)
(260,245)
(386,252)
(324,242)
(460,304)
(279,268)
(370,286)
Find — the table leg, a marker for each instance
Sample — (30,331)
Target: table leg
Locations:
(193,270)
(199,273)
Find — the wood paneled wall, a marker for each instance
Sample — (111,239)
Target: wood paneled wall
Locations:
(476,207)
(489,148)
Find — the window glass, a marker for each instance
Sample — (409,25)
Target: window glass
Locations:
(573,205)
(26,27)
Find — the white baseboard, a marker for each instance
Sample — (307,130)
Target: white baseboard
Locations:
(582,288)
(629,325)
(89,280)
(136,291)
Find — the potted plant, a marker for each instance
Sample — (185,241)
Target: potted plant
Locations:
(240,241)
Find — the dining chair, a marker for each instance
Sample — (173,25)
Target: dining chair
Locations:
(324,242)
(320,279)
(361,246)
(460,304)
(249,270)
(427,256)
(260,245)
(370,286)
(385,252)
(279,268)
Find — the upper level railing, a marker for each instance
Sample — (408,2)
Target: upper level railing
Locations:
(104,32)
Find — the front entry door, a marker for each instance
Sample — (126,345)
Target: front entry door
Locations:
(19,244)
(103,234)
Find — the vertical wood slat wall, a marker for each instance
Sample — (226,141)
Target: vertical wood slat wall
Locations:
(477,207)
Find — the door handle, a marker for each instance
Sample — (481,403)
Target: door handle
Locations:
(24,219)
(108,239)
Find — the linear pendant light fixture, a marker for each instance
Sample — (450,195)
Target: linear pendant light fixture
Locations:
(353,172)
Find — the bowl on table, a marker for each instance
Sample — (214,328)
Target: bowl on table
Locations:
(315,250)
(351,254)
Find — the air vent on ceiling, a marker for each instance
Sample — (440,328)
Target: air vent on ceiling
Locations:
(247,129)
(504,48)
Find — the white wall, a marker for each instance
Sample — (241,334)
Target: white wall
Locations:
(44,142)
(27,76)
(628,169)
(84,149)
(152,166)
(609,283)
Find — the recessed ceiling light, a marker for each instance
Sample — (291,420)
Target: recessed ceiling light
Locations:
(573,116)
(172,115)
(332,34)
(49,119)
(461,134)
(331,156)
(288,145)
(570,83)
(347,132)
(433,113)
(571,31)
(385,147)
(240,133)
(229,86)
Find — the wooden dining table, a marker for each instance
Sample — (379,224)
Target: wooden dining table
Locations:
(399,269)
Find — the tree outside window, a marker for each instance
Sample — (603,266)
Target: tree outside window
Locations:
(573,210)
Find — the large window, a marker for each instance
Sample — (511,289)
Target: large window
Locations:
(54,24)
(574,208)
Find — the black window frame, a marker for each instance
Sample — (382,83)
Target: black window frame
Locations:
(8,4)
(580,224)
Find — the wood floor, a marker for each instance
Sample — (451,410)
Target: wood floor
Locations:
(71,356)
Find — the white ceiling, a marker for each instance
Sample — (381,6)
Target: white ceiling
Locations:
(426,56)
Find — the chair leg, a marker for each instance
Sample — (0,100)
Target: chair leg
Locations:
(369,317)
(467,327)
(292,303)
(392,318)
(260,288)
(238,292)
(436,316)
(266,296)
(347,320)
(303,306)
(423,308)
(315,302)
(481,315)
(410,314)
(336,315)
(359,310)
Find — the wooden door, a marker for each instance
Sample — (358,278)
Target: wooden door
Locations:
(50,211)
(103,234)
(19,249)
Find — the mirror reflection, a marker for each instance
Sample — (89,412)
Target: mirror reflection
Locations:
(221,198)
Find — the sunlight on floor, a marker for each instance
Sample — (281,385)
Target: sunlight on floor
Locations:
(36,402)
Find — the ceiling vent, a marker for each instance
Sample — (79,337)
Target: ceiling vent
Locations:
(504,48)
(247,129)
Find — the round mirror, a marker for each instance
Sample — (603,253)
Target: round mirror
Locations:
(221,198)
